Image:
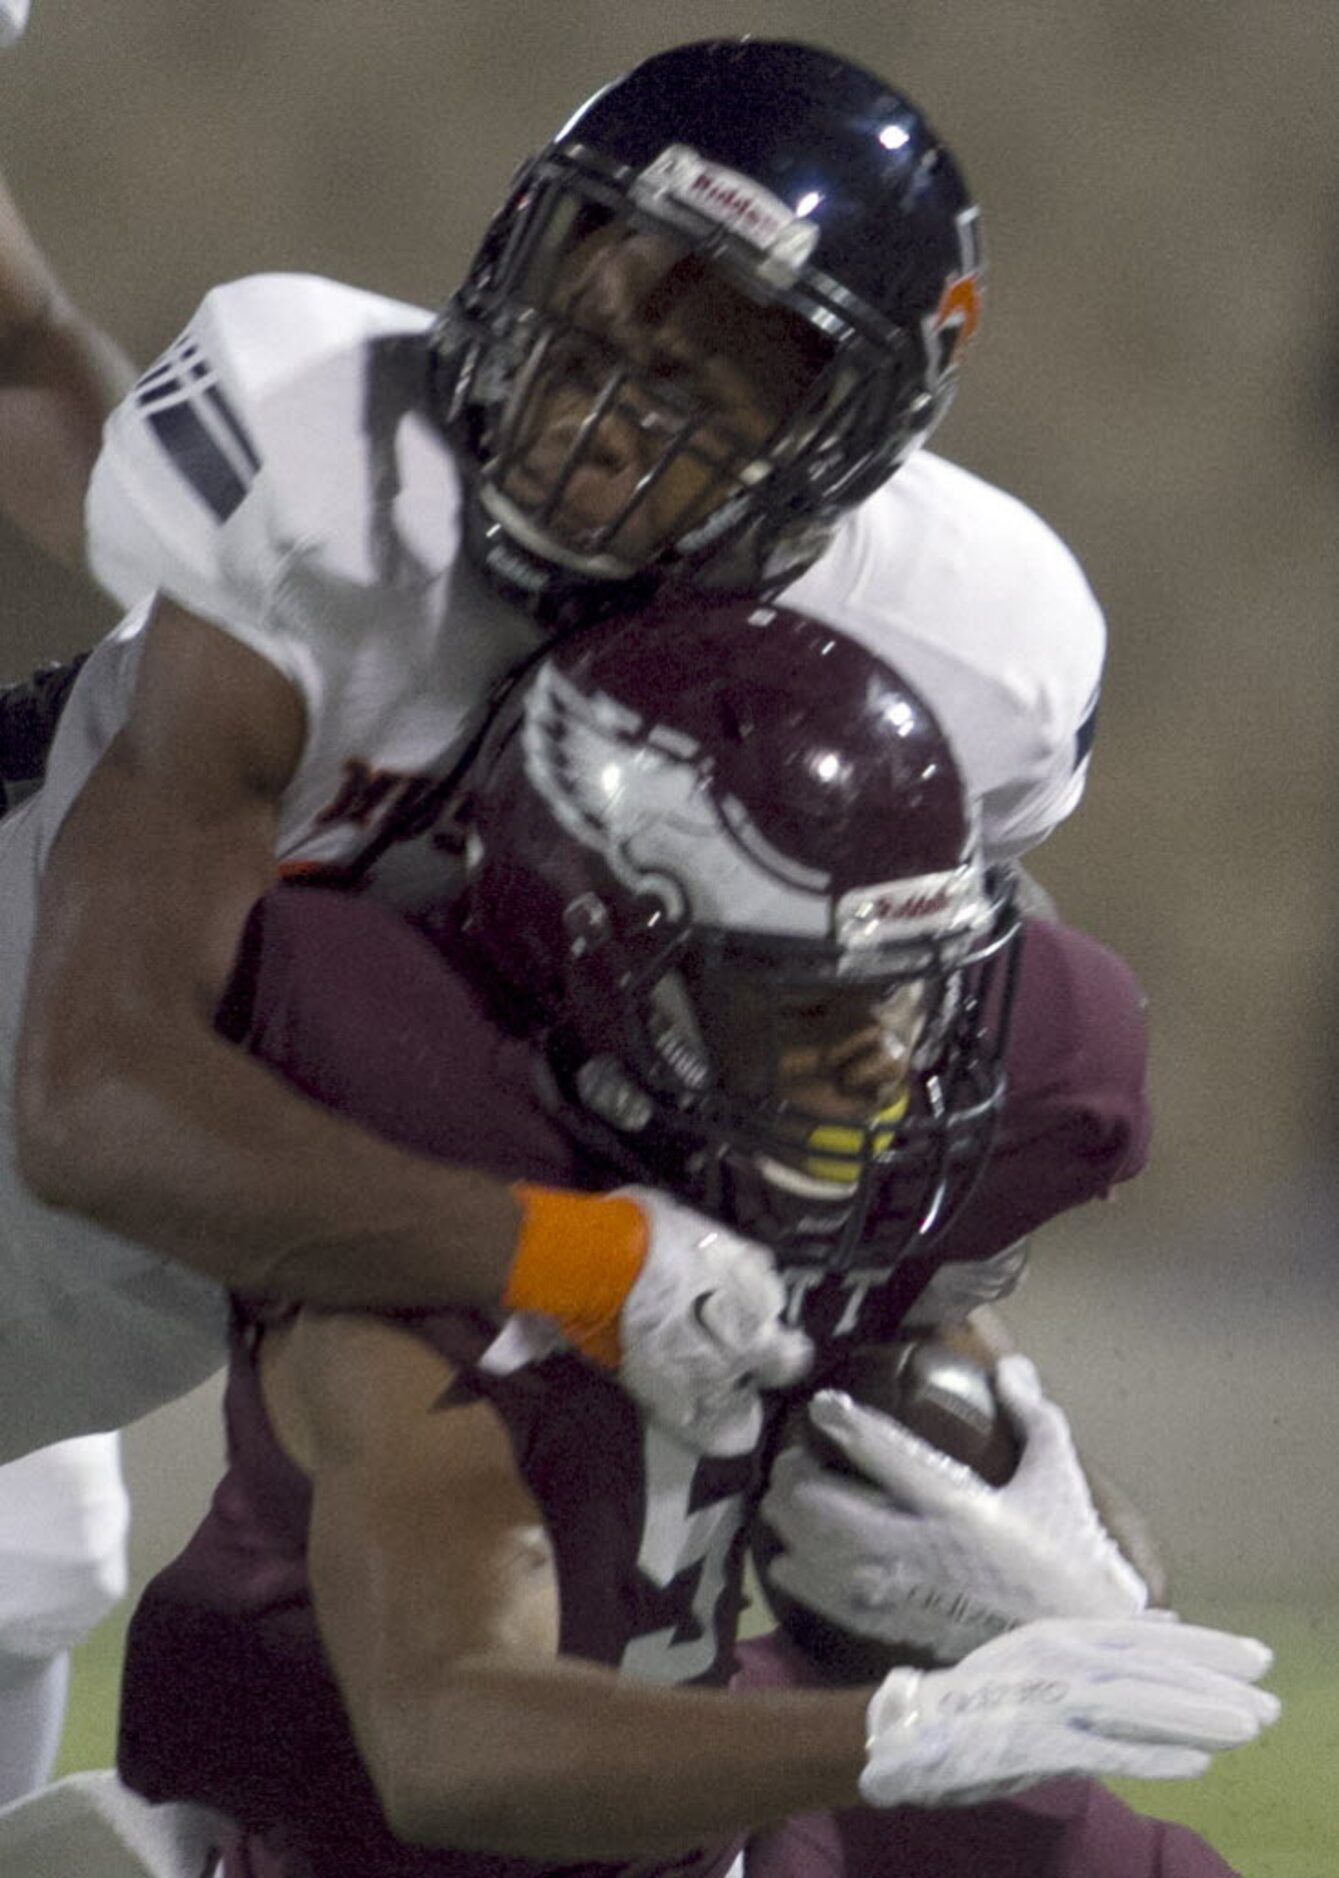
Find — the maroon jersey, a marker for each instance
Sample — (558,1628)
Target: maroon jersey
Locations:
(228,1698)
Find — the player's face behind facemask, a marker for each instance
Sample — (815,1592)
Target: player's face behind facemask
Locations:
(825,1070)
(653,396)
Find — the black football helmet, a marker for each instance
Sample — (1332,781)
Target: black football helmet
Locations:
(763,198)
(722,867)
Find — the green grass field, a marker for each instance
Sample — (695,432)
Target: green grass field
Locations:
(1270,1809)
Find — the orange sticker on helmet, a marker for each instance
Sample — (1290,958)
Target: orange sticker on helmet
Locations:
(959,305)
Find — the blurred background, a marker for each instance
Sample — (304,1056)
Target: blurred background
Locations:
(1158,374)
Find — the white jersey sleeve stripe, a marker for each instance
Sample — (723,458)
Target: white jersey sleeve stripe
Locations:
(196,426)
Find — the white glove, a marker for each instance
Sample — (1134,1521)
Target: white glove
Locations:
(928,1555)
(1142,1698)
(13,19)
(701,1329)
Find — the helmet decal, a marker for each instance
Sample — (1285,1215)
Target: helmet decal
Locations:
(641,796)
(919,907)
(950,329)
(783,238)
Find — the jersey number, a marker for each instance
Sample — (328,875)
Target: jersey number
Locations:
(679,1538)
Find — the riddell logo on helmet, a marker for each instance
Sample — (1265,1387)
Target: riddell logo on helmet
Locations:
(906,909)
(733,201)
(729,203)
(914,906)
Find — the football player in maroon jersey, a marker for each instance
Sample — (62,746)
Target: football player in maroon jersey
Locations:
(457,1606)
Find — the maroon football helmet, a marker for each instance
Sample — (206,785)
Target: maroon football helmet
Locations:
(722,860)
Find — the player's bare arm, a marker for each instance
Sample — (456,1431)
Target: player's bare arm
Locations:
(60,376)
(435,1601)
(132,1110)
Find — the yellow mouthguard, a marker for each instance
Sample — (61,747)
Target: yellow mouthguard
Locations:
(844,1144)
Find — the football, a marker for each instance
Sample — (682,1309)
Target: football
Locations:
(947,1399)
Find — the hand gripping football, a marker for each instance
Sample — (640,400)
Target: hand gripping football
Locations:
(944,1397)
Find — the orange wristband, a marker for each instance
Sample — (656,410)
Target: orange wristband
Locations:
(577,1257)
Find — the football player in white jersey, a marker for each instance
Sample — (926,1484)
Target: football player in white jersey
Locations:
(716,314)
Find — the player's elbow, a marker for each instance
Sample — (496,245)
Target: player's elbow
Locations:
(441,1810)
(43,1130)
(48,1150)
(63,1127)
(452,1771)
(460,1798)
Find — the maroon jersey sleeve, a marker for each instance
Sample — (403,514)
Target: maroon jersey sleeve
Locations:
(361,1012)
(1076,1117)
(648,1535)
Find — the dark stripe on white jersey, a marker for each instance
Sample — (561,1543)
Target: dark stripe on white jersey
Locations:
(234,424)
(198,457)
(1083,736)
(197,426)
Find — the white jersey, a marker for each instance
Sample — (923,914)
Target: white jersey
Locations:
(276,473)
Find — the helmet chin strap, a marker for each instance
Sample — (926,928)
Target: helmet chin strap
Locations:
(609,1111)
(557,598)
(523,533)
